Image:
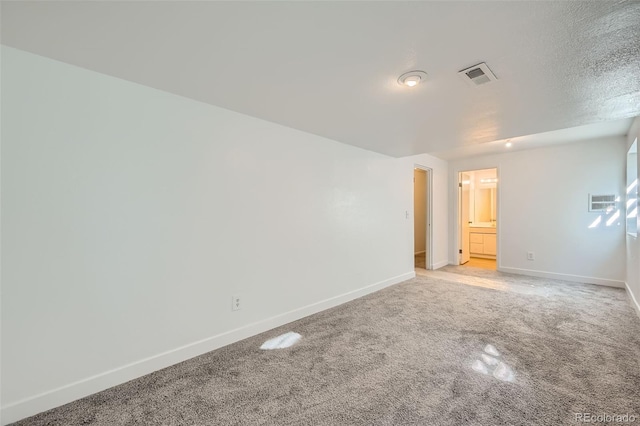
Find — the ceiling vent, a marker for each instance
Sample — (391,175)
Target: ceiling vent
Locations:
(477,75)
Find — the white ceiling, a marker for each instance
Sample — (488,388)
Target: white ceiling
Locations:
(330,68)
(555,137)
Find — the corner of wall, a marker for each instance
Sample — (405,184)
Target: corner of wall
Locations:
(632,299)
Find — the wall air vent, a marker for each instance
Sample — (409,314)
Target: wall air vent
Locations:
(602,203)
(477,75)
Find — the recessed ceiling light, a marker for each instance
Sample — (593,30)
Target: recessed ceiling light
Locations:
(412,78)
(508,144)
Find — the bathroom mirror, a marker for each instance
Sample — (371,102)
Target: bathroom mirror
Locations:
(485,205)
(483,186)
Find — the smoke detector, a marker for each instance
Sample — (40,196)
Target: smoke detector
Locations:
(477,75)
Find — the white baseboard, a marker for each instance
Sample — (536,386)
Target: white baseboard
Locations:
(483,256)
(564,277)
(438,265)
(634,301)
(73,391)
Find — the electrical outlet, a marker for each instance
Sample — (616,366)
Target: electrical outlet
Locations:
(236,302)
(531,255)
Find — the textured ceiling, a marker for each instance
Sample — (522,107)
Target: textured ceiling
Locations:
(330,68)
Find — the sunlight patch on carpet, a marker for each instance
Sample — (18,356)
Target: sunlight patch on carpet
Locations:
(283,341)
(491,350)
(494,284)
(490,364)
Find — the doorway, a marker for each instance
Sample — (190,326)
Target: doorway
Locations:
(422,247)
(478,218)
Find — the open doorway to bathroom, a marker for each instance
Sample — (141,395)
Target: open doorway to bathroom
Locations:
(478,221)
(422,218)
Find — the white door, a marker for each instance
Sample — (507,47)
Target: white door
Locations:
(464,217)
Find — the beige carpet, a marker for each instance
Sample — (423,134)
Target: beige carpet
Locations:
(450,347)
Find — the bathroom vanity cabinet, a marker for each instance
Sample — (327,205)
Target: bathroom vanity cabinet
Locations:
(482,242)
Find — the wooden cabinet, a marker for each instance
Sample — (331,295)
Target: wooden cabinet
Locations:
(489,244)
(476,243)
(482,243)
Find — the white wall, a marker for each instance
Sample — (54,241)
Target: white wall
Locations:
(543,207)
(130,217)
(633,243)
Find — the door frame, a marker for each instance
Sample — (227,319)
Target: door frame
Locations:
(429,218)
(456,228)
(461,219)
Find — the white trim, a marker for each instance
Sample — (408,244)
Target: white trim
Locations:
(564,277)
(483,256)
(440,264)
(634,301)
(73,391)
(429,242)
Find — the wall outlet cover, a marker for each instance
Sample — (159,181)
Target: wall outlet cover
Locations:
(236,303)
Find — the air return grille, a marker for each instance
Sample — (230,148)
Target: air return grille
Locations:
(477,75)
(602,203)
